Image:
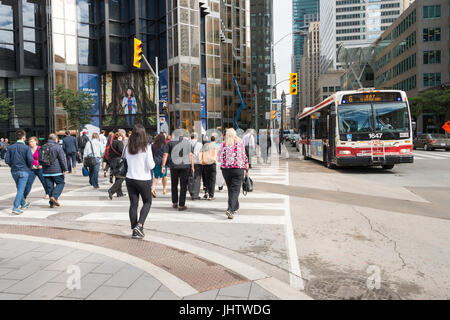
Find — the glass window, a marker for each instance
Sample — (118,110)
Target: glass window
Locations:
(184,16)
(185,83)
(195,42)
(431,12)
(58,48)
(391,117)
(355,118)
(195,81)
(33,55)
(117,50)
(432,57)
(87,52)
(71,50)
(184,39)
(58,9)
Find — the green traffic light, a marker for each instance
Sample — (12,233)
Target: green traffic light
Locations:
(293,86)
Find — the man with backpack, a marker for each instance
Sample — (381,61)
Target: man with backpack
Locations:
(82,141)
(20,159)
(51,157)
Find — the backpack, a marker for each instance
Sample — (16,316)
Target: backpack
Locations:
(83,141)
(108,148)
(46,155)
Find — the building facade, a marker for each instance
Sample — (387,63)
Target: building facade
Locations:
(261,12)
(413,54)
(310,68)
(354,24)
(303,12)
(87,45)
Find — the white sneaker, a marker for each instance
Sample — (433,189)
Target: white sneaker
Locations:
(17,211)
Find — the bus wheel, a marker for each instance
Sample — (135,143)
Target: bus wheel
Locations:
(330,165)
(387,166)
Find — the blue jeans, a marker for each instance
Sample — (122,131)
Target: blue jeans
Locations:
(93,173)
(24,182)
(71,160)
(130,119)
(38,173)
(55,186)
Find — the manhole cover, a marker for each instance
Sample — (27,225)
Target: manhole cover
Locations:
(345,288)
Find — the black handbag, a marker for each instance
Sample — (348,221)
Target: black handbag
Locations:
(90,161)
(247,185)
(120,165)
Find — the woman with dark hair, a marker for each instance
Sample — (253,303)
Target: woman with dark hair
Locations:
(115,162)
(158,153)
(139,157)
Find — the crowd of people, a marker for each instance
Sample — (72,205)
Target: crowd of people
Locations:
(137,159)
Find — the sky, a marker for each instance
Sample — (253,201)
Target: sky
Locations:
(283,50)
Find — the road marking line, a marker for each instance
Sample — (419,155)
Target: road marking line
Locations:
(430,156)
(13,195)
(190,217)
(28,213)
(295,275)
(172,282)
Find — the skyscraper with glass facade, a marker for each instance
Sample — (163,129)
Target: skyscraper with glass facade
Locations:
(303,12)
(87,45)
(262,34)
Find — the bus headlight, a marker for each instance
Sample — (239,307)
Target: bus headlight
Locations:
(405,150)
(345,152)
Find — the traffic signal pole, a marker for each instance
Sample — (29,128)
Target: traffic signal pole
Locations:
(156,75)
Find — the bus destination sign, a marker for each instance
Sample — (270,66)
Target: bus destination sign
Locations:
(372,97)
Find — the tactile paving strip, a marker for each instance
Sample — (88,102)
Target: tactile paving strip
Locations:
(199,273)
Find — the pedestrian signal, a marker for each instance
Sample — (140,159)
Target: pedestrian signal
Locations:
(293,79)
(138,52)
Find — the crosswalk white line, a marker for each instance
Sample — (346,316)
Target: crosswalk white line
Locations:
(213,205)
(28,213)
(187,217)
(432,156)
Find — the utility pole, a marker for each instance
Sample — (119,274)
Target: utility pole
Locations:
(283,109)
(156,75)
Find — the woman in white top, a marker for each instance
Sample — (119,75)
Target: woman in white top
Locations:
(138,154)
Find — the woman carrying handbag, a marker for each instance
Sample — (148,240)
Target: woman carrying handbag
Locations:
(117,165)
(234,163)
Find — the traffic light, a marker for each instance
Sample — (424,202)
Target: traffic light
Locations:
(273,114)
(293,79)
(138,52)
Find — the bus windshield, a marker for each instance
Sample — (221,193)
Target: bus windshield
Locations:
(361,118)
(355,118)
(391,116)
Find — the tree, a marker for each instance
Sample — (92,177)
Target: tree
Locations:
(433,101)
(5,107)
(77,104)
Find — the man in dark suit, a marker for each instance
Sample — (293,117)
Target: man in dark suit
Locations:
(70,147)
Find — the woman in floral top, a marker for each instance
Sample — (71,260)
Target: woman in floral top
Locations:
(234,162)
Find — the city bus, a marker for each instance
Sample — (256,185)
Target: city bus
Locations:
(365,127)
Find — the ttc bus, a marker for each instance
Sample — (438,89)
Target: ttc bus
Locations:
(366,127)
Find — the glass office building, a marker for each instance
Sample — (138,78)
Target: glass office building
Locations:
(87,45)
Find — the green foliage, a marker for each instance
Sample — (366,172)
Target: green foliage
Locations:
(431,101)
(78,105)
(5,107)
(152,120)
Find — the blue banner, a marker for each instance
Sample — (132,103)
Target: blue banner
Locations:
(88,82)
(163,99)
(203,104)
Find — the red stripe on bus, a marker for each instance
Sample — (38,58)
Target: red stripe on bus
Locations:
(310,111)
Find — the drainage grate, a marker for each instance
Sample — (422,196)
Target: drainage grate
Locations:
(345,288)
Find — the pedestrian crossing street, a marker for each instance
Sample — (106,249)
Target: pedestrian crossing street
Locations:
(431,155)
(94,205)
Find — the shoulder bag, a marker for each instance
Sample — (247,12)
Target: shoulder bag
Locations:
(247,185)
(90,160)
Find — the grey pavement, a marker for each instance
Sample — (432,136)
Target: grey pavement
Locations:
(39,271)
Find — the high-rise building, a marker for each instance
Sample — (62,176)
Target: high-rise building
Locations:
(413,54)
(303,12)
(309,70)
(261,12)
(87,45)
(353,24)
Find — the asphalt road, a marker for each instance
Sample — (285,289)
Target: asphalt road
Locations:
(334,234)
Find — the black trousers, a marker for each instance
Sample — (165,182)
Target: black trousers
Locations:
(194,187)
(209,171)
(180,175)
(233,178)
(117,187)
(138,188)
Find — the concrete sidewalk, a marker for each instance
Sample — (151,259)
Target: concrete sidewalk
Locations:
(42,271)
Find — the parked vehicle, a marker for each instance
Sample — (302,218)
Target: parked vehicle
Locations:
(431,141)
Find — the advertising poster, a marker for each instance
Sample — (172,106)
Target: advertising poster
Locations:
(163,98)
(203,104)
(88,82)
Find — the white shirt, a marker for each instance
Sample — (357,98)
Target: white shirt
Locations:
(140,165)
(197,146)
(98,149)
(102,140)
(248,140)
